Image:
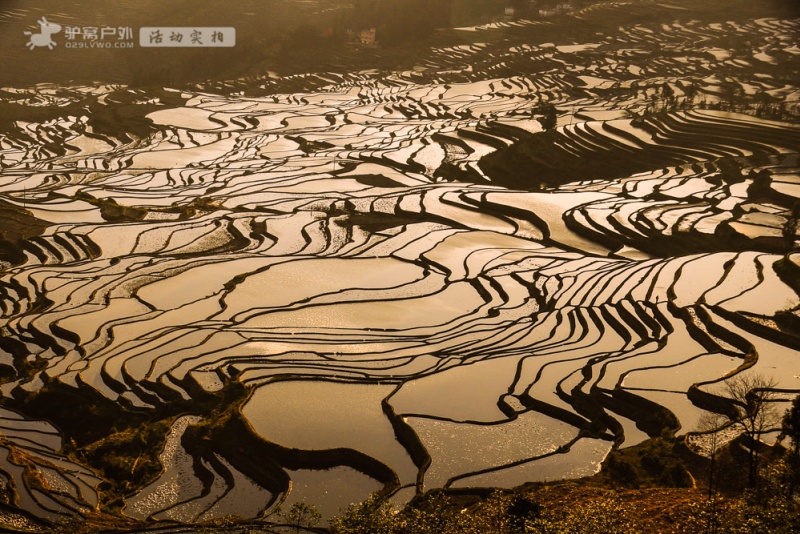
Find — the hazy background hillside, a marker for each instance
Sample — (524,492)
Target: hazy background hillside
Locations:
(281,35)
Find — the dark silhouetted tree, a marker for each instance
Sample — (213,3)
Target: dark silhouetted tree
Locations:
(301,516)
(753,398)
(711,424)
(550,118)
(791,429)
(372,515)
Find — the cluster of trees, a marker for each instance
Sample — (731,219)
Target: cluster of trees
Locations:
(731,97)
(754,412)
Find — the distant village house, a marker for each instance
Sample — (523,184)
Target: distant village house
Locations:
(367,37)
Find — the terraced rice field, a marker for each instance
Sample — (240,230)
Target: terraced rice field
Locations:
(416,283)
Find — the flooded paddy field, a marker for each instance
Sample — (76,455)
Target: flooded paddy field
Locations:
(490,269)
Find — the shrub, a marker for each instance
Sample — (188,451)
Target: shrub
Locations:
(752,513)
(301,516)
(606,514)
(372,515)
(621,471)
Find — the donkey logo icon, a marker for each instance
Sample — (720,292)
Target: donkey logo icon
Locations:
(46,29)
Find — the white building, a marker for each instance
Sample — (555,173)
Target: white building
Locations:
(367,37)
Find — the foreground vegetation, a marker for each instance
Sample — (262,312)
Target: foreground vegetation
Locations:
(586,506)
(658,486)
(579,508)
